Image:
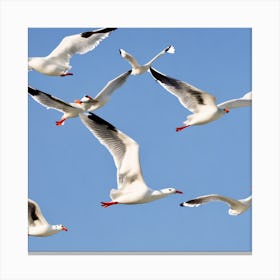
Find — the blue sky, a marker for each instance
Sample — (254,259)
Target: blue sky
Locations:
(70,172)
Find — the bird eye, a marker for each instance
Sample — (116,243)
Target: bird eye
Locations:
(170,190)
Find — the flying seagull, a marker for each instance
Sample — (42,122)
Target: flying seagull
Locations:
(57,63)
(132,188)
(87,103)
(237,207)
(200,103)
(37,224)
(140,69)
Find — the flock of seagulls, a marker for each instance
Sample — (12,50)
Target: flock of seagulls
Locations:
(87,103)
(132,188)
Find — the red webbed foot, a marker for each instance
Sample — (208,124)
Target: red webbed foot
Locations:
(107,204)
(61,122)
(181,128)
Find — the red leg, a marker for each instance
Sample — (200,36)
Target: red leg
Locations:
(66,74)
(61,122)
(181,127)
(107,204)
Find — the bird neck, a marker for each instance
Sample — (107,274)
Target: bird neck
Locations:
(158,194)
(41,230)
(54,228)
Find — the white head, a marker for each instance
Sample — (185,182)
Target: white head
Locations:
(168,191)
(86,103)
(60,228)
(85,99)
(157,194)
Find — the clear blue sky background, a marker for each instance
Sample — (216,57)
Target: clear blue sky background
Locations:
(70,172)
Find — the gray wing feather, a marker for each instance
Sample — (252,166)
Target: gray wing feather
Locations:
(34,214)
(189,96)
(125,150)
(112,85)
(50,101)
(132,61)
(211,197)
(244,101)
(79,43)
(114,140)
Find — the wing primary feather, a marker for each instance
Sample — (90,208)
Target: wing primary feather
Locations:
(50,101)
(107,134)
(165,79)
(32,211)
(89,33)
(33,91)
(101,121)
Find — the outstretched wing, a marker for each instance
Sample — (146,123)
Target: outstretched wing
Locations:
(169,49)
(79,43)
(132,61)
(112,85)
(50,101)
(244,101)
(211,197)
(189,96)
(125,150)
(35,216)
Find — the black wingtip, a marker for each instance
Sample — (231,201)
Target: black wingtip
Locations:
(33,91)
(87,34)
(105,30)
(153,71)
(157,75)
(167,49)
(192,201)
(100,121)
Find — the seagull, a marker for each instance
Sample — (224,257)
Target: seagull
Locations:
(237,207)
(57,62)
(140,69)
(91,104)
(70,110)
(37,224)
(87,103)
(200,103)
(132,188)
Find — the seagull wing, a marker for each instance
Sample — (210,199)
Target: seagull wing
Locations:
(211,197)
(125,150)
(192,98)
(132,61)
(169,49)
(35,216)
(50,101)
(79,43)
(111,86)
(244,101)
